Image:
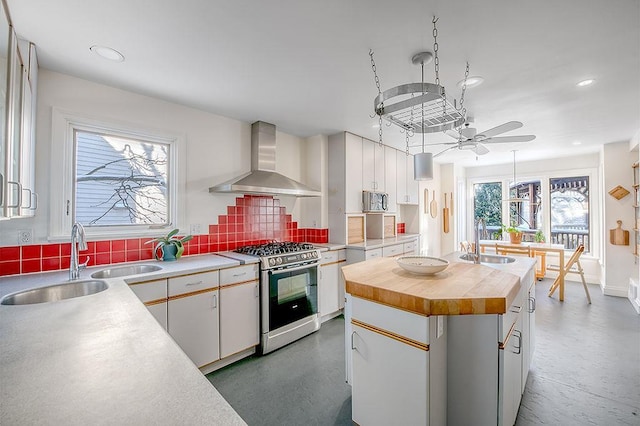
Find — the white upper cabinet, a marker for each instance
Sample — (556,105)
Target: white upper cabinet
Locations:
(390,178)
(407,192)
(17,171)
(373,172)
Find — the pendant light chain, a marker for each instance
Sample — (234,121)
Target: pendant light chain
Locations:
(379,112)
(422,67)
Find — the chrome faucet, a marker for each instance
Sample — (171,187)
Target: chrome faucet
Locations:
(78,243)
(476,252)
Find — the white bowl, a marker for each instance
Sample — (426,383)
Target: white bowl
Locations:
(422,265)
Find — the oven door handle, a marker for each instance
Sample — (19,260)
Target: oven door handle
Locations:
(297,268)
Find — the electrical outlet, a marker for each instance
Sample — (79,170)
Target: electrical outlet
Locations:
(195,229)
(25,236)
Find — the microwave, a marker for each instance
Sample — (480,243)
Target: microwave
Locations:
(374,201)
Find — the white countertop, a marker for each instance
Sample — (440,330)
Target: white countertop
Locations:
(101,359)
(373,244)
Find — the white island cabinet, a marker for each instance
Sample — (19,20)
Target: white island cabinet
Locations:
(452,348)
(397,367)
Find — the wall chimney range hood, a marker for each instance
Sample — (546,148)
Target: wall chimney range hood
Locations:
(263,179)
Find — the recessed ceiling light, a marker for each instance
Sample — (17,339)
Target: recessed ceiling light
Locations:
(474,81)
(577,143)
(587,82)
(107,53)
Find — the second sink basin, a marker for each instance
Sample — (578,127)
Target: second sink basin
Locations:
(54,293)
(489,258)
(124,271)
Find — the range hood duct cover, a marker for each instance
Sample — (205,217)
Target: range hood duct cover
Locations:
(263,179)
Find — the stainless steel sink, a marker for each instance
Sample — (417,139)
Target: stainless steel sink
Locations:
(489,258)
(54,293)
(124,271)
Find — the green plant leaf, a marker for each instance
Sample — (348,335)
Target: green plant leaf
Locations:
(180,247)
(172,233)
(187,238)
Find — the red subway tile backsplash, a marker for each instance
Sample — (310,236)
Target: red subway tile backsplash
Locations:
(253,220)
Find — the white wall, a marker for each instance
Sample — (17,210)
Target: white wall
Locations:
(618,260)
(217,148)
(431,228)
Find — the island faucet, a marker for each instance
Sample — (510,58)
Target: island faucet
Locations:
(78,243)
(476,250)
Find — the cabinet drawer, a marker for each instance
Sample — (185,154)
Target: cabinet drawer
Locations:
(342,254)
(193,282)
(390,251)
(239,274)
(402,323)
(511,316)
(372,254)
(328,257)
(150,291)
(410,248)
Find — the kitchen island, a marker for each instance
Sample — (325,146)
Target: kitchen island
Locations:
(101,359)
(450,348)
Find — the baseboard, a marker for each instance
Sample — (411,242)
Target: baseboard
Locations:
(332,315)
(206,369)
(618,291)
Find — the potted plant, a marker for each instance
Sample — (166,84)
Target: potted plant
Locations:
(169,247)
(515,235)
(539,237)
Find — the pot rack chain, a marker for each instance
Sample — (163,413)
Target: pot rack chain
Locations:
(375,75)
(436,65)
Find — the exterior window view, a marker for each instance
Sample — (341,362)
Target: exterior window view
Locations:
(418,212)
(570,211)
(120,181)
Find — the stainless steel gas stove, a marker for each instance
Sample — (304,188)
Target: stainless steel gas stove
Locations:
(288,291)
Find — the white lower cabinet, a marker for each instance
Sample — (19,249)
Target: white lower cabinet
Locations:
(331,287)
(239,318)
(154,296)
(193,316)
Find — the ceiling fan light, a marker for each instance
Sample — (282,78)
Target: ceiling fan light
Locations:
(473,81)
(423,166)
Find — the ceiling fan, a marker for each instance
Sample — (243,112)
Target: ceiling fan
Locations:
(468,138)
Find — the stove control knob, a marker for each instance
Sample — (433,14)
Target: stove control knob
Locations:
(272,262)
(279,260)
(303,255)
(315,254)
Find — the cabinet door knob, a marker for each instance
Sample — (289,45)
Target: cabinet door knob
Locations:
(353,346)
(518,334)
(215,301)
(532,304)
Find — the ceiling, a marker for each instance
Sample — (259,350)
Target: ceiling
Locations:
(305,66)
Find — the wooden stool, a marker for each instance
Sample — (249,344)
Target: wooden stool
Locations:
(541,264)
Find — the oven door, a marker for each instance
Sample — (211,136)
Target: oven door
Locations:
(293,295)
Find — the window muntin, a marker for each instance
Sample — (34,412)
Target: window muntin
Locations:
(526,214)
(120,181)
(570,211)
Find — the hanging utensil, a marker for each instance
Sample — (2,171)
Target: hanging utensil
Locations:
(426,201)
(434,205)
(445,215)
(451,204)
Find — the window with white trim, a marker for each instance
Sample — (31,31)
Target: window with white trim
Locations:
(117,180)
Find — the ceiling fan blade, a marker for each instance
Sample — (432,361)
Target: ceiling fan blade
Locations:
(452,133)
(507,139)
(433,144)
(443,151)
(506,127)
(480,149)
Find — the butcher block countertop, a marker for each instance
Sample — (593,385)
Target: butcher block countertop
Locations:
(463,288)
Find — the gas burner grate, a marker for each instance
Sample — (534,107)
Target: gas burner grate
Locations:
(274,247)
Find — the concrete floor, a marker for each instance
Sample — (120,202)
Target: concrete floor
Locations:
(586,370)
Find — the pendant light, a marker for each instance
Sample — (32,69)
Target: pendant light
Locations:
(422,162)
(515,199)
